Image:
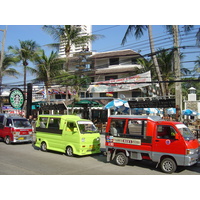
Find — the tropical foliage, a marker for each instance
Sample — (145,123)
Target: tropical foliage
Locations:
(68,35)
(137,30)
(47,68)
(24,54)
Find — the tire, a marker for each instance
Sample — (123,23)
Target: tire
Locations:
(7,140)
(44,146)
(69,151)
(121,159)
(168,165)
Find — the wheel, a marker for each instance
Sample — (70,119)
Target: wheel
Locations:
(7,140)
(168,165)
(44,146)
(121,159)
(69,151)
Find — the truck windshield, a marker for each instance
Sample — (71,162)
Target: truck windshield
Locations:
(21,123)
(185,131)
(87,127)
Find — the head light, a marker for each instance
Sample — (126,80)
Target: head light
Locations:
(190,151)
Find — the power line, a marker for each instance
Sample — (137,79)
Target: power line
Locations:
(106,28)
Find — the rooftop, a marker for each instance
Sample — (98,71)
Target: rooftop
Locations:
(112,54)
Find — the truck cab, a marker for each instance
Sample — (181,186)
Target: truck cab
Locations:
(169,144)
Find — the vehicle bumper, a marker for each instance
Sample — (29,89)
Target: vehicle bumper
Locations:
(87,150)
(26,138)
(191,159)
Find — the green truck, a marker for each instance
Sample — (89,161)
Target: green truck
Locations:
(68,134)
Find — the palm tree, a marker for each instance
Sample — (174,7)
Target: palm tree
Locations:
(24,53)
(138,32)
(146,64)
(47,68)
(6,69)
(165,61)
(197,65)
(68,35)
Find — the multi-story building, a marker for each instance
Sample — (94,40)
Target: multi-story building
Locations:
(116,66)
(85,30)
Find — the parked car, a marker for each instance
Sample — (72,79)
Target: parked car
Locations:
(15,129)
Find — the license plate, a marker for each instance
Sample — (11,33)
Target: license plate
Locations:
(21,138)
(91,147)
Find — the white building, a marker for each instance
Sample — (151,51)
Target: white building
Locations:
(117,66)
(85,30)
(192,102)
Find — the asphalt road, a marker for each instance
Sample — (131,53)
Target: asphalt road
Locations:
(26,159)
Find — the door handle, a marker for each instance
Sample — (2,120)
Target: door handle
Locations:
(157,140)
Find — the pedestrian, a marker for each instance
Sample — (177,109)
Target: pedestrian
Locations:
(30,119)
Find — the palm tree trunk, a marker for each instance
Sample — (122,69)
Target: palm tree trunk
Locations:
(67,52)
(177,70)
(24,79)
(47,86)
(163,92)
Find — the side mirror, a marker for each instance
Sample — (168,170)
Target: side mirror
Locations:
(176,136)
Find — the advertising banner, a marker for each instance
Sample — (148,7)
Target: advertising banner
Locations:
(122,84)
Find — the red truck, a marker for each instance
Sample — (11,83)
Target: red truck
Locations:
(169,144)
(15,129)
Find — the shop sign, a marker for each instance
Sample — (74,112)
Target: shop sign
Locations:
(16,98)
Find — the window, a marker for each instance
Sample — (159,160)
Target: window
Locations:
(117,127)
(8,122)
(87,127)
(107,78)
(21,123)
(71,126)
(134,61)
(54,123)
(137,127)
(165,132)
(114,61)
(43,122)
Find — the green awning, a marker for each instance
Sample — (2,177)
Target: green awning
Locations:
(84,103)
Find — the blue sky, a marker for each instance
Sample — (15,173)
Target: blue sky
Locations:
(111,41)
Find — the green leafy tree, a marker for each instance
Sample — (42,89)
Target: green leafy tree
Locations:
(197,65)
(47,68)
(147,64)
(67,35)
(138,31)
(7,70)
(24,54)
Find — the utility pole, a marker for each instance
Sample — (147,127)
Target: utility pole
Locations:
(29,100)
(1,64)
(177,70)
